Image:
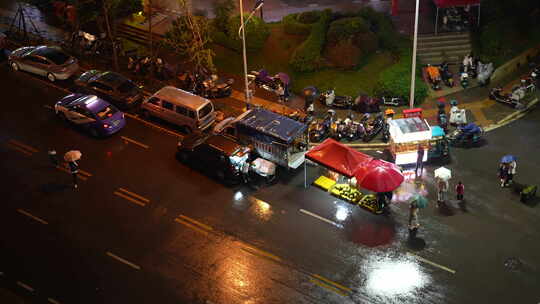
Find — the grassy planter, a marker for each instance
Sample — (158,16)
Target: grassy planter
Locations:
(307,57)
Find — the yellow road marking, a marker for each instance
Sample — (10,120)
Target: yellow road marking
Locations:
(53,301)
(142,198)
(122,260)
(24,146)
(69,172)
(332,282)
(129,199)
(32,216)
(84,173)
(13,147)
(332,288)
(153,125)
(259,252)
(134,142)
(432,263)
(25,286)
(191,226)
(204,226)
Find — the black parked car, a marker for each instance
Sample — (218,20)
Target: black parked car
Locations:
(219,155)
(112,87)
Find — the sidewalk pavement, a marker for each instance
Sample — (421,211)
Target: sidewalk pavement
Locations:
(479,108)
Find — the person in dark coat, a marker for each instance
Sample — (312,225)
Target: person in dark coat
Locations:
(74,169)
(419,160)
(503,174)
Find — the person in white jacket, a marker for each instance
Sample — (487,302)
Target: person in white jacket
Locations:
(512,171)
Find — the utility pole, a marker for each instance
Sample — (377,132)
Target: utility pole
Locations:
(413,71)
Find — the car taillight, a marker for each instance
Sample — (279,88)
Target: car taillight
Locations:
(106,126)
(123,115)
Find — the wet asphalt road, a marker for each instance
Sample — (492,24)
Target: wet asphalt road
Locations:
(191,240)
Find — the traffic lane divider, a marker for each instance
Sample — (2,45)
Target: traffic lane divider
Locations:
(138,143)
(80,175)
(132,197)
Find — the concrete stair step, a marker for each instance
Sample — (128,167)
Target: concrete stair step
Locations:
(444,43)
(453,60)
(448,48)
(447,53)
(443,37)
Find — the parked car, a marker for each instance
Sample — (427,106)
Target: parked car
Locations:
(48,61)
(91,113)
(112,87)
(190,112)
(220,156)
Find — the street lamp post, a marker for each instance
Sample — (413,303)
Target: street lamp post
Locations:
(242,35)
(413,71)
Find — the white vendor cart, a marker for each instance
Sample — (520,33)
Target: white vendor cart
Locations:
(405,136)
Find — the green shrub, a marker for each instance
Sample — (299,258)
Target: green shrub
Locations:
(345,28)
(292,26)
(381,25)
(307,56)
(309,17)
(256,34)
(396,80)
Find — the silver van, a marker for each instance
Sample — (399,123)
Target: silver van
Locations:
(189,111)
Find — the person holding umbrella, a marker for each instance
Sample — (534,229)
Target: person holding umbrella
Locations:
(510,161)
(71,157)
(417,201)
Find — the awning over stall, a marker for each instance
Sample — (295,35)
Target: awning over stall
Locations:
(271,124)
(338,157)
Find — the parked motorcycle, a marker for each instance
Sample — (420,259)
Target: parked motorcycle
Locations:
(464,79)
(393,101)
(212,88)
(320,129)
(330,99)
(373,127)
(434,77)
(338,129)
(446,76)
(467,135)
(367,104)
(262,79)
(535,75)
(528,84)
(513,99)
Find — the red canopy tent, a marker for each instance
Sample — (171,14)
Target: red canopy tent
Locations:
(451,3)
(338,157)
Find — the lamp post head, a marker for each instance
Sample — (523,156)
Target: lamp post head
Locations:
(258,4)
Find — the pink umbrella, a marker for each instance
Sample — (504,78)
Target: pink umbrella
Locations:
(379,176)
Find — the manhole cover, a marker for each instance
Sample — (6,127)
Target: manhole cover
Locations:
(513,264)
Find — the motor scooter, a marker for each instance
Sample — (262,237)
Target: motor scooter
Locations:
(373,127)
(393,101)
(446,75)
(212,88)
(320,129)
(330,99)
(509,99)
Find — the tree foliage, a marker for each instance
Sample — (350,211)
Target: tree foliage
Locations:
(223,11)
(189,37)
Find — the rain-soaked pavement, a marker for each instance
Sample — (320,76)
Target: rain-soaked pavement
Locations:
(142,228)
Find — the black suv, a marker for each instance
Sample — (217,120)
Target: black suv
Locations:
(221,156)
(112,87)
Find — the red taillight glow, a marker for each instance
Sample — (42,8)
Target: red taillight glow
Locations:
(106,126)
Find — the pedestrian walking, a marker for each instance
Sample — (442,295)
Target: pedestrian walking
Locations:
(460,190)
(503,174)
(74,169)
(442,186)
(280,93)
(419,160)
(53,157)
(511,172)
(413,220)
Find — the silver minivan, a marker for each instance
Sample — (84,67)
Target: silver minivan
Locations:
(186,110)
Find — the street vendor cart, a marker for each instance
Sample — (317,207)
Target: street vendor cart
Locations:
(406,134)
(347,170)
(439,145)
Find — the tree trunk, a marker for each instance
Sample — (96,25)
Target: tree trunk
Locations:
(110,34)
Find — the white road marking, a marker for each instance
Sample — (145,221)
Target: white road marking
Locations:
(321,218)
(432,263)
(25,286)
(32,216)
(112,255)
(134,142)
(53,301)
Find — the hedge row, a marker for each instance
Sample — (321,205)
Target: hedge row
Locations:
(257,32)
(292,26)
(307,56)
(396,80)
(381,25)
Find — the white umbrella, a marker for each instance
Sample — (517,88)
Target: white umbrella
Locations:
(443,173)
(72,155)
